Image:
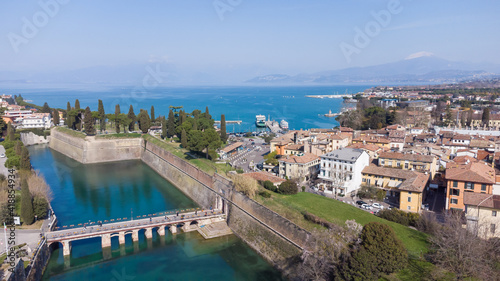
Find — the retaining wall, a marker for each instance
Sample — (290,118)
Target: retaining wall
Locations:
(31,139)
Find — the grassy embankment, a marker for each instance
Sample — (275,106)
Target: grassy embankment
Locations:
(119,136)
(71,132)
(202,163)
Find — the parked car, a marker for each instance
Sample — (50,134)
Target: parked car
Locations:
(359,202)
(2,155)
(378,206)
(366,207)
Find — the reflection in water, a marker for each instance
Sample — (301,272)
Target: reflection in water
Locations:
(94,192)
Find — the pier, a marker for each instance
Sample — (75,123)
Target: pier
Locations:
(273,126)
(230,122)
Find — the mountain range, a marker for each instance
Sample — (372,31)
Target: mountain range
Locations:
(415,69)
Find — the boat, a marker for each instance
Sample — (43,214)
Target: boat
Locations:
(260,120)
(284,125)
(330,114)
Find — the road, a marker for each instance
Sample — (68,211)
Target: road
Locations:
(252,153)
(28,236)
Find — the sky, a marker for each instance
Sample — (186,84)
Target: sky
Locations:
(256,36)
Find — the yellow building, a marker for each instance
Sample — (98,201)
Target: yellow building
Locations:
(405,187)
(408,161)
(377,140)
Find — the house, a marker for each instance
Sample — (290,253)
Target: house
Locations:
(36,120)
(482,212)
(372,149)
(376,140)
(302,167)
(409,161)
(340,170)
(278,144)
(12,116)
(472,177)
(230,150)
(264,176)
(403,187)
(416,131)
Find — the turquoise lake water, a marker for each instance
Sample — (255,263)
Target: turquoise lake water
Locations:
(237,103)
(85,193)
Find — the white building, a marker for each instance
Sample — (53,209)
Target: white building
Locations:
(36,120)
(341,170)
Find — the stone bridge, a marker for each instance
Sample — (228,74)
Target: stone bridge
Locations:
(187,221)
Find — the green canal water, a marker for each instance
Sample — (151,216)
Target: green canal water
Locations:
(84,193)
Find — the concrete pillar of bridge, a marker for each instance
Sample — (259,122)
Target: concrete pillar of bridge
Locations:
(67,262)
(161,230)
(149,233)
(135,235)
(106,240)
(173,229)
(121,237)
(66,248)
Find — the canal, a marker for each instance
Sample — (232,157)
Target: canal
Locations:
(83,193)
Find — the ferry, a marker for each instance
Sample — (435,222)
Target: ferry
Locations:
(330,114)
(260,120)
(284,125)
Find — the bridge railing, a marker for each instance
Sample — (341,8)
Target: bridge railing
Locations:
(115,220)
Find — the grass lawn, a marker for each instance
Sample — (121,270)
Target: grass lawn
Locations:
(71,132)
(119,135)
(338,212)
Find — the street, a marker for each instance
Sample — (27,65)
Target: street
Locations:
(253,153)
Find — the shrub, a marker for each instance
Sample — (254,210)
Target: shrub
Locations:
(239,171)
(245,185)
(303,188)
(368,192)
(270,186)
(40,207)
(265,194)
(400,217)
(317,220)
(288,187)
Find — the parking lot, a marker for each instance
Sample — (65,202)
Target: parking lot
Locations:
(252,153)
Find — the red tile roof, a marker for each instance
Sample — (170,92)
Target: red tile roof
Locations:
(472,172)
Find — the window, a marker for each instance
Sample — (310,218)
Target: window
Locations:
(494,213)
(409,198)
(483,187)
(406,165)
(455,192)
(455,183)
(364,179)
(381,161)
(398,164)
(469,185)
(492,228)
(409,207)
(454,201)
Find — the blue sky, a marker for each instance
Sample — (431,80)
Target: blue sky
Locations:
(271,36)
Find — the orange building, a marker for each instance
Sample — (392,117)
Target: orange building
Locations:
(472,177)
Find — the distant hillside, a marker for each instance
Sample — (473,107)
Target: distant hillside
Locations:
(425,69)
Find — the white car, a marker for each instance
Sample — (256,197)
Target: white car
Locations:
(2,155)
(366,207)
(378,206)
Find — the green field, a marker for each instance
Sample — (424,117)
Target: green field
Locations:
(338,212)
(119,136)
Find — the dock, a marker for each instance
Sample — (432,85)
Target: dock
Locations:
(273,126)
(217,122)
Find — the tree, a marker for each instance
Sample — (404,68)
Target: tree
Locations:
(26,203)
(144,121)
(117,113)
(486,117)
(288,187)
(45,108)
(102,116)
(211,140)
(77,104)
(124,121)
(207,114)
(55,117)
(153,114)
(469,118)
(3,125)
(24,159)
(196,142)
(184,140)
(40,207)
(88,122)
(67,120)
(223,134)
(170,124)
(163,127)
(10,132)
(380,252)
(195,122)
(133,119)
(448,117)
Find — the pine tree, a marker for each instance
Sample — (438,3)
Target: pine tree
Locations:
(182,117)
(207,114)
(26,204)
(117,115)
(223,134)
(10,132)
(3,125)
(132,117)
(24,161)
(102,116)
(195,122)
(67,120)
(486,117)
(55,117)
(153,114)
(77,104)
(45,108)
(89,122)
(163,127)
(170,124)
(144,121)
(184,140)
